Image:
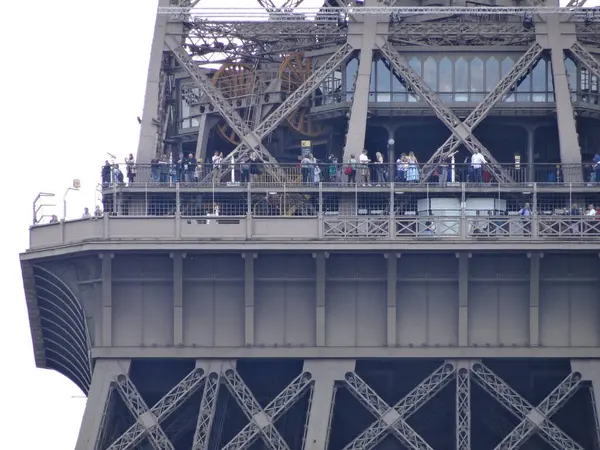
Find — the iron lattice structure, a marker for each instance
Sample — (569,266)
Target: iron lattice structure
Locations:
(190,328)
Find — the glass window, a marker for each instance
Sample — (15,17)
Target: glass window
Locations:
(415,63)
(461,82)
(445,79)
(398,89)
(430,73)
(384,82)
(550,81)
(492,73)
(507,64)
(571,70)
(351,71)
(539,85)
(476,85)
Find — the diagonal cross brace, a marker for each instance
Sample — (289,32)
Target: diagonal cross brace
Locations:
(388,418)
(445,114)
(257,417)
(275,409)
(548,407)
(405,408)
(294,100)
(523,410)
(507,84)
(586,58)
(148,420)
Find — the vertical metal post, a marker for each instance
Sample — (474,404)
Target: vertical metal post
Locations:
(392,288)
(534,298)
(321,271)
(463,298)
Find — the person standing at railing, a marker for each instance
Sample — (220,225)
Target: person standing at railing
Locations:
(380,169)
(333,170)
(401,168)
(130,168)
(106,174)
(189,167)
(217,162)
(305,168)
(477,163)
(412,174)
(245,171)
(525,214)
(351,170)
(365,173)
(575,212)
(442,170)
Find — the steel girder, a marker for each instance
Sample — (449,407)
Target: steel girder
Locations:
(206,415)
(585,58)
(261,421)
(532,419)
(463,409)
(442,111)
(294,100)
(463,33)
(148,421)
(509,82)
(394,418)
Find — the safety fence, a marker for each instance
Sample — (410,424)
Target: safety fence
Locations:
(357,229)
(166,174)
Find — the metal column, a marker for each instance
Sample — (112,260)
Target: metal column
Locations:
(320,266)
(325,373)
(106,298)
(249,297)
(463,298)
(392,289)
(177,298)
(534,298)
(96,408)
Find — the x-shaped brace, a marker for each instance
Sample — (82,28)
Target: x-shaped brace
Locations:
(508,83)
(148,421)
(532,419)
(389,418)
(413,81)
(261,421)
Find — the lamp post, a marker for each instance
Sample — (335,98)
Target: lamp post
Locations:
(391,172)
(75,187)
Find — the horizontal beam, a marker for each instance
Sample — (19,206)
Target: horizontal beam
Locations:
(333,14)
(347,352)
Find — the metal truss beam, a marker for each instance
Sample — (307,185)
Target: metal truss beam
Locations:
(294,100)
(463,409)
(447,33)
(585,58)
(510,82)
(223,106)
(445,114)
(261,421)
(333,13)
(532,419)
(206,415)
(401,411)
(148,420)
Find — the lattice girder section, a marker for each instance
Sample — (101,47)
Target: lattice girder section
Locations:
(261,421)
(148,420)
(458,129)
(401,411)
(380,409)
(294,100)
(508,83)
(532,419)
(463,409)
(586,59)
(206,415)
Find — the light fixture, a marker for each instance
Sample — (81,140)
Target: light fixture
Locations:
(391,142)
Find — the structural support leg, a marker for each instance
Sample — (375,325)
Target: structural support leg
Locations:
(249,298)
(320,262)
(177,298)
(534,299)
(357,126)
(463,298)
(463,406)
(96,409)
(590,371)
(325,373)
(106,298)
(392,285)
(570,153)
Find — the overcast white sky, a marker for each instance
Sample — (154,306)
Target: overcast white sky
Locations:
(73,78)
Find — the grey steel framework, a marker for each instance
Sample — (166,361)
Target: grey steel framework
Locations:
(307,331)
